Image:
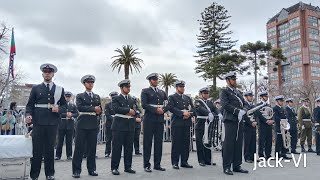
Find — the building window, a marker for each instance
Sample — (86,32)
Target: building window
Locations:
(272,31)
(273,76)
(295,47)
(313,33)
(315,58)
(286,73)
(297,82)
(296,60)
(313,21)
(296,72)
(294,22)
(315,71)
(314,46)
(294,35)
(273,42)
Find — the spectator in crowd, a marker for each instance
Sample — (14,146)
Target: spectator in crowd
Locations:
(7,120)
(15,113)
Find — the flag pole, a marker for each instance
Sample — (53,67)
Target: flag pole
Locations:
(6,102)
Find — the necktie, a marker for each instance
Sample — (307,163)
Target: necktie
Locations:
(48,87)
(90,94)
(126,97)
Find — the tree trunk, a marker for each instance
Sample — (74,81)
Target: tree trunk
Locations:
(167,90)
(126,71)
(214,83)
(255,78)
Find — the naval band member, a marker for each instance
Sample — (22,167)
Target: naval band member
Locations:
(265,128)
(66,128)
(137,127)
(206,111)
(123,128)
(89,107)
(279,114)
(292,119)
(153,101)
(232,104)
(46,103)
(249,130)
(109,112)
(182,110)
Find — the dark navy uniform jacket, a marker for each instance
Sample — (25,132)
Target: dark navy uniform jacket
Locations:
(149,96)
(123,106)
(176,104)
(69,123)
(86,104)
(202,110)
(41,95)
(109,112)
(279,113)
(292,118)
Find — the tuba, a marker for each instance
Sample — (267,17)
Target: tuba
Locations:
(267,112)
(286,137)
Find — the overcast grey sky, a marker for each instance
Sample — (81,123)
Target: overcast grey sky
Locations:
(80,36)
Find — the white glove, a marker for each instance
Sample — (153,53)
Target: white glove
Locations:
(210,117)
(302,127)
(220,116)
(240,115)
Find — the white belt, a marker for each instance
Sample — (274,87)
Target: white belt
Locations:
(202,117)
(316,124)
(123,116)
(112,115)
(306,120)
(185,110)
(156,106)
(284,119)
(48,106)
(87,113)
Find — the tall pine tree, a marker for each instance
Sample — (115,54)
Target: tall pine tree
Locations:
(214,40)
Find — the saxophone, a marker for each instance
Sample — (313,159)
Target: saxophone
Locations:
(286,137)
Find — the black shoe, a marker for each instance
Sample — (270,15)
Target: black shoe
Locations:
(286,157)
(76,175)
(318,154)
(138,153)
(248,161)
(228,171)
(303,149)
(147,169)
(57,158)
(129,170)
(69,158)
(50,178)
(115,172)
(34,178)
(311,150)
(210,164)
(93,173)
(294,152)
(202,164)
(107,155)
(240,170)
(186,165)
(175,166)
(159,168)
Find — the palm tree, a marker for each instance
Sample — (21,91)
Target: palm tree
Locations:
(126,59)
(167,80)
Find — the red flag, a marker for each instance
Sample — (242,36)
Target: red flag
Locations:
(12,54)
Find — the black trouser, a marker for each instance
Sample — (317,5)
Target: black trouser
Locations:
(203,153)
(136,140)
(232,145)
(294,139)
(265,140)
(180,145)
(88,138)
(108,140)
(152,131)
(119,139)
(250,142)
(279,148)
(318,142)
(68,133)
(43,141)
